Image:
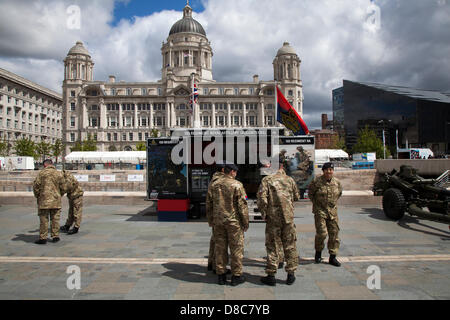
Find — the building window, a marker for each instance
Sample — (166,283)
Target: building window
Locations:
(128,122)
(72,93)
(220,120)
(113,92)
(144,91)
(109,136)
(269,121)
(269,106)
(205,120)
(236,91)
(131,136)
(140,136)
(251,120)
(129,92)
(115,136)
(205,91)
(124,137)
(93,122)
(251,91)
(290,93)
(159,91)
(236,120)
(72,122)
(221,91)
(72,137)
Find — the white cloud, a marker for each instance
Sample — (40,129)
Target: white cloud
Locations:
(409,49)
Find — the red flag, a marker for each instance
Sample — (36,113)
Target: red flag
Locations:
(287,116)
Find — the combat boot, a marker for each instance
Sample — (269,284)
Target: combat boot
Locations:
(73,230)
(64,228)
(269,280)
(55,239)
(290,279)
(333,261)
(235,280)
(210,267)
(318,257)
(222,279)
(280,265)
(41,241)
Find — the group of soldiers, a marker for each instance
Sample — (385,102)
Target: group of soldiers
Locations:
(48,188)
(227,214)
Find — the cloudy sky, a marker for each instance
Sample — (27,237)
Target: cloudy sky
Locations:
(396,42)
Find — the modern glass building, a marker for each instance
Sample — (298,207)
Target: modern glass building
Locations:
(409,117)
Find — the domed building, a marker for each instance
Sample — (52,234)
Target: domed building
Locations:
(119,115)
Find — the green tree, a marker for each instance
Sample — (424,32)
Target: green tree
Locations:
(77,147)
(43,149)
(338,142)
(89,144)
(368,141)
(141,146)
(154,133)
(4,148)
(57,149)
(25,147)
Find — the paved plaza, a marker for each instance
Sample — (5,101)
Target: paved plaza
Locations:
(123,252)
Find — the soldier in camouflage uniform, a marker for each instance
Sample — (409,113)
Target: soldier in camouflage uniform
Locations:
(47,188)
(228,206)
(324,193)
(212,243)
(75,194)
(275,199)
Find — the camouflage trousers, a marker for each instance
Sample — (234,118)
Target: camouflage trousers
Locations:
(44,214)
(75,212)
(212,247)
(232,236)
(327,226)
(287,235)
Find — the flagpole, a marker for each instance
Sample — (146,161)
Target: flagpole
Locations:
(276,101)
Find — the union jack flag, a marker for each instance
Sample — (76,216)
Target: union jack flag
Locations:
(194,96)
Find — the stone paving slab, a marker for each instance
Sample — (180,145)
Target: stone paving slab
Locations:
(151,260)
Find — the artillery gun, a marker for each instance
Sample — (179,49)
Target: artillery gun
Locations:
(406,191)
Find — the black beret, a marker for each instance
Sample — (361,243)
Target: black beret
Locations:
(327,165)
(231,166)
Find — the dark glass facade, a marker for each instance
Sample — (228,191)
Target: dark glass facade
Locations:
(419,122)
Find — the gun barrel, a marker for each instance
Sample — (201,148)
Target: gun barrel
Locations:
(415,210)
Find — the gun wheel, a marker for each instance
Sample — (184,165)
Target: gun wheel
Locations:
(394,204)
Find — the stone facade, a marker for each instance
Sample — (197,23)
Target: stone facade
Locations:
(28,110)
(119,115)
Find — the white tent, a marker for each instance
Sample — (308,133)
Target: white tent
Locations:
(107,157)
(326,155)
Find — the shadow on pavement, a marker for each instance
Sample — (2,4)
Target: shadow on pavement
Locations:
(199,274)
(408,222)
(29,238)
(375,213)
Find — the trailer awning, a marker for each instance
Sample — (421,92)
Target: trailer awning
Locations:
(107,157)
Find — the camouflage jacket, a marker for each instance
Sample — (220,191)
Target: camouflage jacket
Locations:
(71,186)
(216,176)
(227,202)
(48,187)
(324,195)
(276,196)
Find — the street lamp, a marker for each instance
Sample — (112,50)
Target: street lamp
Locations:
(384,140)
